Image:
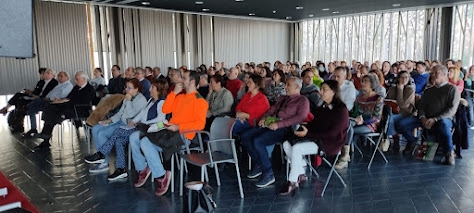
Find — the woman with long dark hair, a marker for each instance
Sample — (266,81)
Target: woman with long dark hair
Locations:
(327,130)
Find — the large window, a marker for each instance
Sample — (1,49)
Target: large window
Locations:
(385,36)
(462,45)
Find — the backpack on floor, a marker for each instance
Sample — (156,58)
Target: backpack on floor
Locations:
(15,120)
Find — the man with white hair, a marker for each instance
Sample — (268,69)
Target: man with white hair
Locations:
(60,109)
(59,91)
(348,90)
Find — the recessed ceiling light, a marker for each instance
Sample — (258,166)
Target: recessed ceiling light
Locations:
(288,17)
(311,15)
(335,12)
(239,0)
(199,2)
(299,7)
(274,11)
(251,14)
(146,3)
(325,9)
(205,9)
(396,5)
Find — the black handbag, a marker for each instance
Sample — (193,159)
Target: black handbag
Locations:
(198,200)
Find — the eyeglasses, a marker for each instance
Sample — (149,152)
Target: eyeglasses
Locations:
(129,88)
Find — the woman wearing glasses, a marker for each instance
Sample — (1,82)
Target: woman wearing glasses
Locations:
(133,103)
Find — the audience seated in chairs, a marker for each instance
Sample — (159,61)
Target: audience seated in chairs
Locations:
(310,90)
(150,115)
(403,93)
(251,107)
(436,109)
(233,83)
(60,91)
(366,114)
(454,78)
(220,100)
(275,124)
(60,109)
(117,82)
(189,113)
(43,87)
(276,87)
(140,75)
(104,131)
(327,130)
(347,89)
(420,77)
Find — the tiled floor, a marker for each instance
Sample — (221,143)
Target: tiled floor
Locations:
(59,181)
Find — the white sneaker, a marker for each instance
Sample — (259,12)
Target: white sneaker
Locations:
(97,168)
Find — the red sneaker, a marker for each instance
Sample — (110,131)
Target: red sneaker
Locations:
(143,176)
(163,184)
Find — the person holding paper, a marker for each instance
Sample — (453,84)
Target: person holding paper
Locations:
(403,93)
(104,131)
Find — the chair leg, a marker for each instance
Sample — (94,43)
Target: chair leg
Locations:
(129,157)
(181,162)
(238,179)
(217,175)
(335,172)
(172,174)
(330,174)
(202,173)
(250,163)
(287,169)
(206,175)
(376,150)
(311,167)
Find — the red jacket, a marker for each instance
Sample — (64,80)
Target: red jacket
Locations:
(255,106)
(234,86)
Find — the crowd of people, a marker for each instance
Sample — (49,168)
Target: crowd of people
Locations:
(306,108)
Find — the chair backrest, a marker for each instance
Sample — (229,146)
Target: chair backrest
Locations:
(221,128)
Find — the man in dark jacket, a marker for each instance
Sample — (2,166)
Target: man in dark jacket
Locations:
(43,87)
(58,110)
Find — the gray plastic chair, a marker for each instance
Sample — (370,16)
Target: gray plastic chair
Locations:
(221,149)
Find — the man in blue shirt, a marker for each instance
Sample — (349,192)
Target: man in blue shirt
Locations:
(420,77)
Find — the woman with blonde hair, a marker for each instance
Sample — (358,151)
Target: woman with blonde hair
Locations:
(317,80)
(454,77)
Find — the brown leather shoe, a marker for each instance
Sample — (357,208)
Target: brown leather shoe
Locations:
(289,188)
(163,184)
(302,178)
(143,176)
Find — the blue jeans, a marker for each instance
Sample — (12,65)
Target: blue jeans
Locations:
(256,140)
(240,127)
(118,140)
(393,126)
(441,130)
(145,153)
(101,134)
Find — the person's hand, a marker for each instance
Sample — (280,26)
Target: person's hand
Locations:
(128,97)
(173,127)
(273,126)
(261,123)
(359,120)
(400,86)
(429,123)
(131,123)
(240,116)
(208,114)
(178,88)
(105,122)
(301,133)
(28,92)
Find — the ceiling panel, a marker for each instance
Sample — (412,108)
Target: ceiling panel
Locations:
(279,9)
